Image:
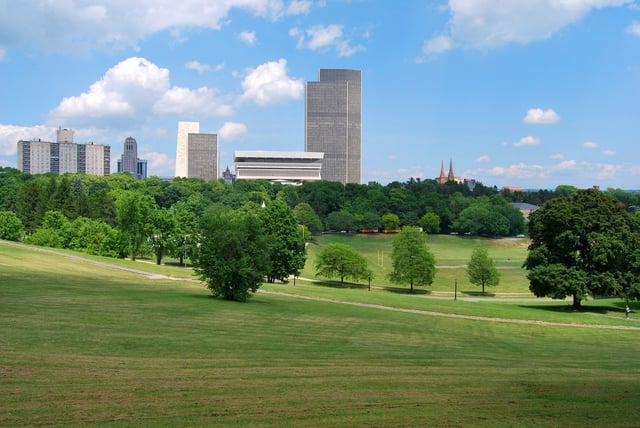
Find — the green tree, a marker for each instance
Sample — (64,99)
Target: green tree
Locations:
(306,216)
(233,255)
(412,262)
(583,244)
(285,240)
(342,261)
(11,228)
(482,270)
(338,221)
(430,222)
(390,221)
(161,232)
(134,212)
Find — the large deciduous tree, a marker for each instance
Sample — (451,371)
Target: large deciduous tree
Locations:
(233,256)
(342,261)
(412,262)
(482,270)
(11,228)
(583,244)
(134,212)
(286,241)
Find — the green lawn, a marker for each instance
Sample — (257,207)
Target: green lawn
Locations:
(84,344)
(452,253)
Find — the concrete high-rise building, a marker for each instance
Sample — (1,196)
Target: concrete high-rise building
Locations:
(333,123)
(130,156)
(182,148)
(41,157)
(197,154)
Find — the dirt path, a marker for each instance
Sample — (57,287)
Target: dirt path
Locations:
(342,302)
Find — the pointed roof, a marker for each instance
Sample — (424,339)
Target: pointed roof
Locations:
(451,176)
(443,176)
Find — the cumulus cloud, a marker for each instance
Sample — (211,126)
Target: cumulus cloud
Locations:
(269,84)
(232,131)
(325,38)
(590,145)
(115,24)
(437,45)
(557,156)
(197,66)
(537,116)
(160,163)
(634,29)
(488,23)
(609,152)
(130,92)
(527,141)
(201,102)
(483,159)
(11,134)
(248,37)
(299,7)
(126,90)
(568,164)
(520,170)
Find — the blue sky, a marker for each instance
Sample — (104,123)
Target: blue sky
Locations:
(531,93)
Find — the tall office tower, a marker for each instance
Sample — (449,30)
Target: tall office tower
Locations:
(333,123)
(203,156)
(130,157)
(182,148)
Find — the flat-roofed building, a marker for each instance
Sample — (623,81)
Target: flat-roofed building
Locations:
(41,157)
(285,167)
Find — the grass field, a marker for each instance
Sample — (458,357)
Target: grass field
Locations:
(90,345)
(452,253)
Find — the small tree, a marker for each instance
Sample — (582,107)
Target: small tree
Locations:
(430,222)
(233,255)
(482,270)
(342,261)
(412,262)
(11,227)
(390,221)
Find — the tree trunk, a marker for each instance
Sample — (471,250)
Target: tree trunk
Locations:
(576,302)
(411,286)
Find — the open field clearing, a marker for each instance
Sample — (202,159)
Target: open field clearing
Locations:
(87,344)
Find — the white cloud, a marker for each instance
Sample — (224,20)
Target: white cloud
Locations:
(325,37)
(126,90)
(590,145)
(568,164)
(634,28)
(520,170)
(538,116)
(198,66)
(269,84)
(248,37)
(489,23)
(11,134)
(527,141)
(437,45)
(609,152)
(483,159)
(299,7)
(114,24)
(159,163)
(557,156)
(232,131)
(201,102)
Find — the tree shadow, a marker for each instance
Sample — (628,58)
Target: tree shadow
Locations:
(406,290)
(476,294)
(568,308)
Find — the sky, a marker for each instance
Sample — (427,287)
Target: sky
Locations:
(529,93)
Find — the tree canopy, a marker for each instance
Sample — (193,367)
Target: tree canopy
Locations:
(482,270)
(342,261)
(412,262)
(583,244)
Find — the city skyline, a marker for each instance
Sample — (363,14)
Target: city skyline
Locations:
(534,93)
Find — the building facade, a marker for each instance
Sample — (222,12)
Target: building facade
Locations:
(129,161)
(182,147)
(197,154)
(333,123)
(63,156)
(283,167)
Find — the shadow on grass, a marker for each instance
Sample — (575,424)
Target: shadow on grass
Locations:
(476,294)
(568,308)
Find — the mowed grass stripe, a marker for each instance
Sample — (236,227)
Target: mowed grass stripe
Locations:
(109,348)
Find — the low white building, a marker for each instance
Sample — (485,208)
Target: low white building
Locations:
(285,167)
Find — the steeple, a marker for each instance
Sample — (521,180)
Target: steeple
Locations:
(443,177)
(451,176)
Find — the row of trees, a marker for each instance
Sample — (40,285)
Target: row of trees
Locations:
(326,206)
(412,263)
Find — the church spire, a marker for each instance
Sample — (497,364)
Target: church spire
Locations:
(443,177)
(451,176)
